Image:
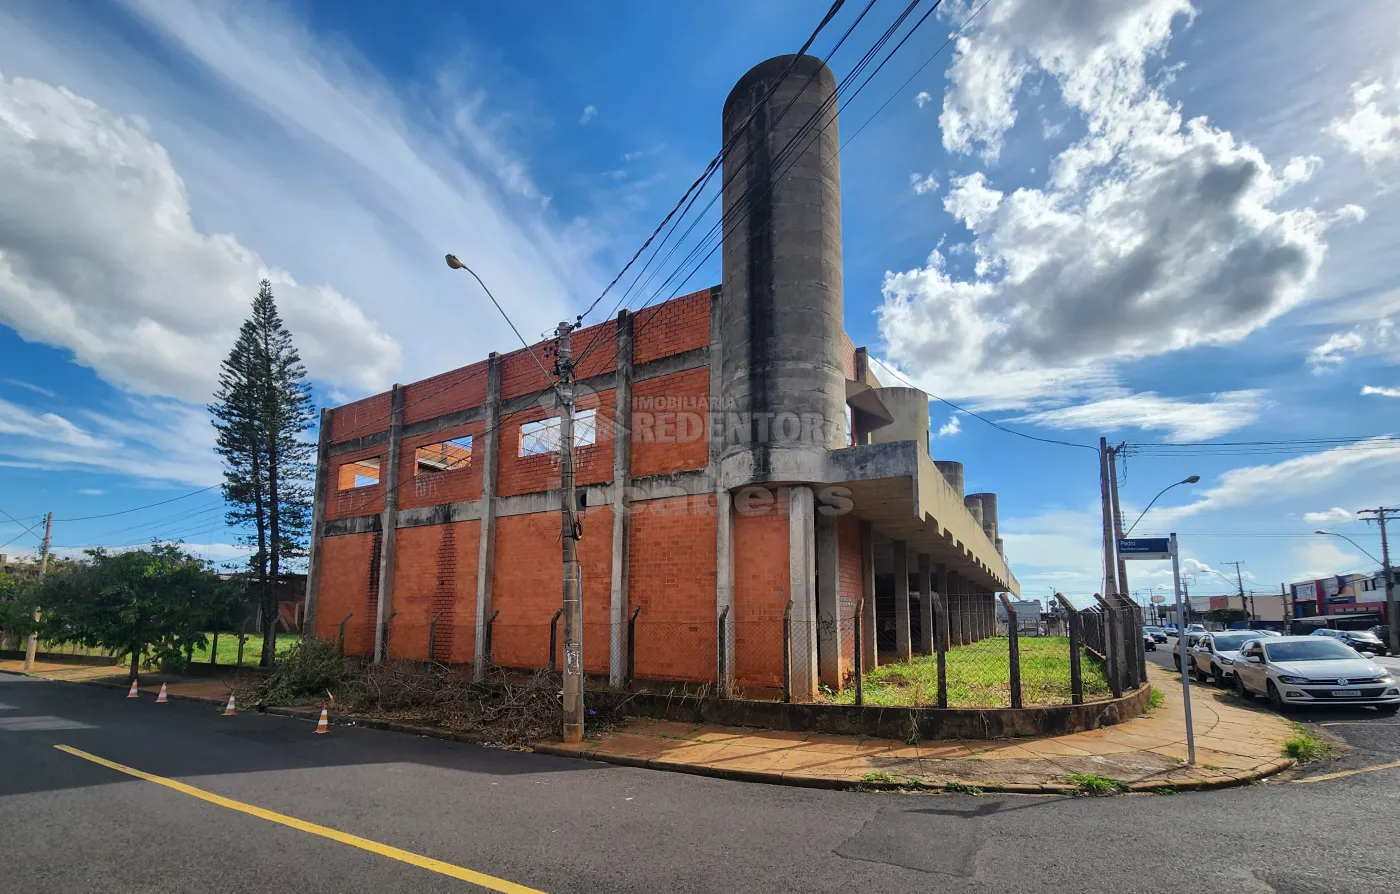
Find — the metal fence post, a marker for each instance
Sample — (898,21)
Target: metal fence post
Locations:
(1076,673)
(490,626)
(432,637)
(632,646)
(856,633)
(721,676)
(342,638)
(554,639)
(940,614)
(214,649)
(787,652)
(1014,649)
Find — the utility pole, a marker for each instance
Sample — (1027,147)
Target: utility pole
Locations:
(1379,516)
(1288,609)
(1110,548)
(573,603)
(1239,582)
(32,647)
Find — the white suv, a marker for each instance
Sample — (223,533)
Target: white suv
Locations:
(1312,670)
(1215,654)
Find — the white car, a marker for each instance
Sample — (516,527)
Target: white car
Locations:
(1214,655)
(1312,670)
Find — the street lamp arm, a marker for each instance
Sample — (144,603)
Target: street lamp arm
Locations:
(458,265)
(1353,543)
(1192,480)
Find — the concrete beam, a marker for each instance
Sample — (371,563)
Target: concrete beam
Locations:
(621,516)
(486,551)
(802,587)
(902,647)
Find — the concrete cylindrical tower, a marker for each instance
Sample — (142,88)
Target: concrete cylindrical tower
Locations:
(952,473)
(973,502)
(909,407)
(782,387)
(1000,550)
(989,514)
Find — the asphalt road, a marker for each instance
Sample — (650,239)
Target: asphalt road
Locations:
(556,824)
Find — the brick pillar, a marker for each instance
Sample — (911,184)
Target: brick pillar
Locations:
(925,605)
(902,648)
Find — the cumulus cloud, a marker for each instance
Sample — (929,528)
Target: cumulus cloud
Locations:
(1333,352)
(923,185)
(99,255)
(1181,419)
(589,113)
(1371,129)
(922,98)
(1154,234)
(951,427)
(1335,514)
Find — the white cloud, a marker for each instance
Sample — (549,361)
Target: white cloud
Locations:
(91,491)
(922,98)
(1155,234)
(99,255)
(1324,557)
(589,113)
(1183,420)
(1372,128)
(951,427)
(1332,352)
(1381,390)
(923,185)
(30,386)
(1335,514)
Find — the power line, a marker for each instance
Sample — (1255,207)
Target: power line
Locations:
(139,508)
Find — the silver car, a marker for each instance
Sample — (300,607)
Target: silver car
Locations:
(1214,655)
(1311,670)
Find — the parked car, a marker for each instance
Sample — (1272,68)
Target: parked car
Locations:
(1313,670)
(1159,634)
(1148,643)
(1195,628)
(1381,632)
(1360,640)
(1191,640)
(1215,654)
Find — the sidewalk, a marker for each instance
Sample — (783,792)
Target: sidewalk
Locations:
(211,689)
(1234,744)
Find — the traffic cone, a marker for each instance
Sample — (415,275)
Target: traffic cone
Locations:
(161,699)
(323,725)
(132,693)
(229,709)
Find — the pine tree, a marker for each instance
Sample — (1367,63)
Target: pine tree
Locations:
(261,411)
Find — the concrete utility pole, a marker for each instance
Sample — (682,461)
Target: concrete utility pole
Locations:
(1239,582)
(573,603)
(1380,515)
(32,647)
(1117,518)
(1110,551)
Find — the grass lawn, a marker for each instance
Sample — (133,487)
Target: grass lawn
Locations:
(252,648)
(979,676)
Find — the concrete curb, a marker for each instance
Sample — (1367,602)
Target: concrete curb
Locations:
(1015,788)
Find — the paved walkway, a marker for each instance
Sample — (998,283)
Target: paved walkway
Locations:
(1235,743)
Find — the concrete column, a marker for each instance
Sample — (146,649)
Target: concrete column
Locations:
(868,642)
(902,647)
(954,609)
(621,515)
(967,610)
(925,605)
(982,606)
(486,551)
(828,602)
(724,587)
(318,521)
(801,579)
(389,520)
(941,585)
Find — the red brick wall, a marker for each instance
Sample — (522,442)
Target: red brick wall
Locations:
(349,585)
(848,566)
(675,438)
(432,488)
(435,571)
(671,577)
(593,463)
(458,389)
(761,584)
(681,324)
(363,417)
(359,500)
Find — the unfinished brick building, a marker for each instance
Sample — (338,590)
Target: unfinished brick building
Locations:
(734,452)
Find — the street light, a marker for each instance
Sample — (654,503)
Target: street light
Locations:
(1191,480)
(1352,542)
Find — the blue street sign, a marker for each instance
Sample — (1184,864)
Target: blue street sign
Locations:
(1145,548)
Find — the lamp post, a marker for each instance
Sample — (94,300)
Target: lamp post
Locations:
(1190,480)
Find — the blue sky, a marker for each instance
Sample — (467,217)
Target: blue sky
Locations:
(1160,222)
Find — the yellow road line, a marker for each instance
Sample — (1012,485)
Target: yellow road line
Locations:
(374,847)
(1341,773)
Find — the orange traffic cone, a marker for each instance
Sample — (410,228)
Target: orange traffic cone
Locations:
(161,699)
(132,692)
(323,725)
(229,709)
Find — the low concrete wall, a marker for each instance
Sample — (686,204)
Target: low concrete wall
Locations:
(879,722)
(59,657)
